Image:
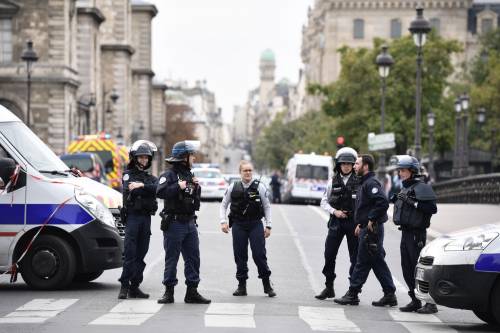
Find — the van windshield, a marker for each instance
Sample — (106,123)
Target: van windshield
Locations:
(29,146)
(312,172)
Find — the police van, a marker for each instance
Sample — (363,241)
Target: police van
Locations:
(307,177)
(462,270)
(55,228)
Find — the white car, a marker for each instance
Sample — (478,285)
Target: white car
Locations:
(462,270)
(213,185)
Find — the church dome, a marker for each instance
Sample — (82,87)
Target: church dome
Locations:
(267,55)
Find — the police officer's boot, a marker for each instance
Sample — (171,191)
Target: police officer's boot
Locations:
(351,298)
(123,292)
(388,299)
(135,292)
(268,289)
(428,308)
(168,296)
(328,292)
(413,306)
(193,297)
(242,288)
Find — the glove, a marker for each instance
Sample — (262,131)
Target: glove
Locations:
(405,198)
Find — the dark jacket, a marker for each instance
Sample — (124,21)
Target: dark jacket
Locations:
(410,217)
(371,201)
(141,200)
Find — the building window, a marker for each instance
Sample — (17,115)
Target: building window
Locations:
(5,40)
(359,29)
(436,25)
(395,28)
(486,25)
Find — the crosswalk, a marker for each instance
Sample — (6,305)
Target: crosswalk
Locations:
(224,315)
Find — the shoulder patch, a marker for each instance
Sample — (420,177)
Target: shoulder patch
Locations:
(126,177)
(374,190)
(162,180)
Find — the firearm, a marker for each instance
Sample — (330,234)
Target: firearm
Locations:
(371,240)
(166,220)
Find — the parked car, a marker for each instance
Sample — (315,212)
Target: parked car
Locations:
(462,270)
(213,185)
(89,164)
(232,177)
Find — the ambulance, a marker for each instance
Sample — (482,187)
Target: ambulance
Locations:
(55,227)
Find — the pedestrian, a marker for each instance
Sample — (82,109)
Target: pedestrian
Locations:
(249,204)
(276,187)
(413,209)
(181,191)
(139,203)
(370,215)
(339,200)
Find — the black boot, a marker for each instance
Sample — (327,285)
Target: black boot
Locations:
(168,296)
(242,288)
(351,298)
(123,292)
(413,306)
(387,299)
(328,292)
(268,289)
(193,297)
(135,292)
(428,308)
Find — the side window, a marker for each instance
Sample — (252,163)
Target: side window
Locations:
(486,25)
(5,40)
(436,25)
(6,171)
(359,29)
(395,28)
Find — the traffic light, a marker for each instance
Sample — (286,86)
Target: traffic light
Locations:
(340,142)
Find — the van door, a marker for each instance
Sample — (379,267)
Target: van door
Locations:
(12,208)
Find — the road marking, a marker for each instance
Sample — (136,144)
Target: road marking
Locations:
(230,315)
(37,311)
(303,258)
(420,323)
(327,319)
(129,312)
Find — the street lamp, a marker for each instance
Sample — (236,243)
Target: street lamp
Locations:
(481,115)
(464,100)
(384,62)
(419,28)
(431,120)
(29,56)
(481,119)
(458,144)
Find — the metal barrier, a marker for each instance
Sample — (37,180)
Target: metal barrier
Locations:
(474,189)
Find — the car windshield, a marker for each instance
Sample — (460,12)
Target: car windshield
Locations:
(312,172)
(81,163)
(32,149)
(207,174)
(106,158)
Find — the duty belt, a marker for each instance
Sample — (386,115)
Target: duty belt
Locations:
(183,217)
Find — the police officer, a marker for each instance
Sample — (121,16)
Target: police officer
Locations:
(413,208)
(139,203)
(338,200)
(249,204)
(181,193)
(276,187)
(370,216)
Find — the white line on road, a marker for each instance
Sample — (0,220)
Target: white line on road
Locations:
(37,311)
(327,319)
(310,275)
(129,312)
(230,315)
(420,323)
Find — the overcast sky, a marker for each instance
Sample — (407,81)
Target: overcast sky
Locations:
(221,41)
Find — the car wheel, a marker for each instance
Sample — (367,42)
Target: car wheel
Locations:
(495,302)
(486,316)
(49,264)
(87,277)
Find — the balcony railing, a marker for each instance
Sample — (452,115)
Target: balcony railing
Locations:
(474,189)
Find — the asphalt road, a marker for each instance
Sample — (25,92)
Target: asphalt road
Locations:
(295,252)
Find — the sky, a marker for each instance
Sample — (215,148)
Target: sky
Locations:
(220,41)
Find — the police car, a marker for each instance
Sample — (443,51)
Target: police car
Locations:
(55,228)
(462,270)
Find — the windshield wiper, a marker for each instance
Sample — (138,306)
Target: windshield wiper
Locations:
(56,172)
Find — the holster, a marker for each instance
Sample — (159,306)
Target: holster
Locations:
(166,220)
(123,215)
(371,241)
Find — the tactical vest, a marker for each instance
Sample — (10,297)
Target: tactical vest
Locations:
(187,201)
(343,196)
(407,216)
(139,203)
(246,204)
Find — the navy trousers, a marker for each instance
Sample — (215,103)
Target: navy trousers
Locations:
(137,235)
(243,233)
(182,237)
(410,250)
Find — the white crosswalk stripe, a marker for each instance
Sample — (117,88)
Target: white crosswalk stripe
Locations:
(129,312)
(327,319)
(421,323)
(230,315)
(37,311)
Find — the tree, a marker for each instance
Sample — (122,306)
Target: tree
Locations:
(178,127)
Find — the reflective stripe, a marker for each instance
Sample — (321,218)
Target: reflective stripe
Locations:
(37,213)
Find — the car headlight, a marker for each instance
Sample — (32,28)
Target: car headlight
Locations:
(468,243)
(95,207)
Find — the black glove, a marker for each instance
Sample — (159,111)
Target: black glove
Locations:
(405,198)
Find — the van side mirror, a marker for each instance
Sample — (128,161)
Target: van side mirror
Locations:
(7,168)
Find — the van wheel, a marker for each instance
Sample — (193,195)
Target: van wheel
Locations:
(49,264)
(87,277)
(486,316)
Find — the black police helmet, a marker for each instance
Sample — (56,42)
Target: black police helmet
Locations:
(182,149)
(142,148)
(408,162)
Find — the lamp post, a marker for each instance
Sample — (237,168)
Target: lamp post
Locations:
(464,100)
(419,28)
(481,119)
(384,62)
(458,143)
(29,56)
(431,120)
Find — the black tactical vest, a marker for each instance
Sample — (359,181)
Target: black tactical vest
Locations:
(407,215)
(139,204)
(188,200)
(343,196)
(246,204)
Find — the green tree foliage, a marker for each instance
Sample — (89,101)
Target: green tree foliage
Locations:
(354,99)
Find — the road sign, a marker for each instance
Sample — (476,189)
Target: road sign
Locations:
(381,141)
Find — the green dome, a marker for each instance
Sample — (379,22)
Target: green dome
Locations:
(267,55)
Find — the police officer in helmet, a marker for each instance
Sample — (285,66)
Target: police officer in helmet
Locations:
(413,208)
(139,203)
(338,200)
(181,193)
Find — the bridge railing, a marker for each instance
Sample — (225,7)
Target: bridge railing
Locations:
(474,189)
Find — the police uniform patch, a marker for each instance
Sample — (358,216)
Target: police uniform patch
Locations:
(126,177)
(162,180)
(374,190)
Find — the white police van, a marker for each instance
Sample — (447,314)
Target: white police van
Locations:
(55,228)
(462,270)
